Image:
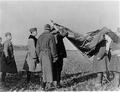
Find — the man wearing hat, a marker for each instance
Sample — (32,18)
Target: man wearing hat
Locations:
(59,33)
(47,53)
(8,64)
(31,57)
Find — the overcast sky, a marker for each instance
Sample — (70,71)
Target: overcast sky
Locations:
(18,17)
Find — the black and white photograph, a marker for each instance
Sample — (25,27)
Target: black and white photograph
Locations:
(59,45)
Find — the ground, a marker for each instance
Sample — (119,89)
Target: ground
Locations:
(76,76)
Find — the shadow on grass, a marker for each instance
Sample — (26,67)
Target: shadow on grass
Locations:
(76,78)
(18,81)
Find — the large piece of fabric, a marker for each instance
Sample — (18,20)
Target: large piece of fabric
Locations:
(93,44)
(87,44)
(46,51)
(8,64)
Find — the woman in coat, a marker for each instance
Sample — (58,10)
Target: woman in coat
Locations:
(31,57)
(115,59)
(8,64)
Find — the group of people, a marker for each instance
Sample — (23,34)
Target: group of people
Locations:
(48,51)
(7,60)
(46,54)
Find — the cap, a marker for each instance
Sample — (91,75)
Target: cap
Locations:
(47,27)
(8,33)
(32,30)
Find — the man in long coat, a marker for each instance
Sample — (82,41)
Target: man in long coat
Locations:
(47,53)
(59,34)
(8,64)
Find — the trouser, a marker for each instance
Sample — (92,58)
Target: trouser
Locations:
(3,75)
(100,77)
(57,68)
(28,76)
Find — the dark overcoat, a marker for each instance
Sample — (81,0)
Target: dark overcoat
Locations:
(46,51)
(57,66)
(8,63)
(60,46)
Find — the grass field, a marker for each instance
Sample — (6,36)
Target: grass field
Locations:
(72,64)
(75,75)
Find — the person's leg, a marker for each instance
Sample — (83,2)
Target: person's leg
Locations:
(3,75)
(43,85)
(55,70)
(28,76)
(99,79)
(119,80)
(60,66)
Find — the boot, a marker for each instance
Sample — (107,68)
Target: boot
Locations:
(28,76)
(59,84)
(98,80)
(119,80)
(43,85)
(3,75)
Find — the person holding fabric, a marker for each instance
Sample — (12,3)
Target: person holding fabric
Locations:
(101,60)
(31,59)
(114,65)
(59,34)
(8,64)
(47,53)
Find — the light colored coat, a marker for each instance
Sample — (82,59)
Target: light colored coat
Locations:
(31,58)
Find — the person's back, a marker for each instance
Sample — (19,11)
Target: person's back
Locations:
(44,41)
(47,53)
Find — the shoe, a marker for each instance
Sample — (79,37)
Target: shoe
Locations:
(97,84)
(43,85)
(118,85)
(59,85)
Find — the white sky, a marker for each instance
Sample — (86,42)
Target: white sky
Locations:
(18,17)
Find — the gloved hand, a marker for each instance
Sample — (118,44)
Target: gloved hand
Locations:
(55,59)
(36,60)
(8,60)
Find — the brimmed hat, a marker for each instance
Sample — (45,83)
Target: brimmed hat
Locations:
(8,33)
(32,30)
(47,27)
